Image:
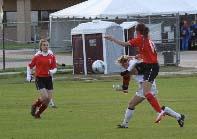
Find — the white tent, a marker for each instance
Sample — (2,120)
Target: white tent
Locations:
(128,25)
(122,9)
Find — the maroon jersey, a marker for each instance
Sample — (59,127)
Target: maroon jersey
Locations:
(146,49)
(43,64)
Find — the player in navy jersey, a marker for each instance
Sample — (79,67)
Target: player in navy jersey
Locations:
(45,66)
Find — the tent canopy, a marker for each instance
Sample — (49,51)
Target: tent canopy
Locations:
(118,8)
(96,26)
(128,25)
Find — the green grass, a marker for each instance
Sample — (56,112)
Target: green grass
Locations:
(15,59)
(17,46)
(23,69)
(174,68)
(92,109)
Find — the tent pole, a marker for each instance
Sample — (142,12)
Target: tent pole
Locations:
(50,32)
(50,20)
(104,52)
(127,39)
(84,55)
(149,20)
(177,39)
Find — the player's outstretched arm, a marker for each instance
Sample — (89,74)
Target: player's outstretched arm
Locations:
(122,43)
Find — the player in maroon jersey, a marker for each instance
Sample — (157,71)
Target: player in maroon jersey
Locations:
(150,66)
(45,66)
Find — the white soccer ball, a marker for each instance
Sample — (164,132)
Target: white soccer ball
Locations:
(98,66)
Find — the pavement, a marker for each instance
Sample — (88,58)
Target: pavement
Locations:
(188,59)
(188,64)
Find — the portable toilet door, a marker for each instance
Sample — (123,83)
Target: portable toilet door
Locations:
(129,30)
(129,34)
(93,49)
(78,58)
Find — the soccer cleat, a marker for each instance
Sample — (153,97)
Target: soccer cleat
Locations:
(181,120)
(33,110)
(54,106)
(124,91)
(160,116)
(122,126)
(37,116)
(120,89)
(117,87)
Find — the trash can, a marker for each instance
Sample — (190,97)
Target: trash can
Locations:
(168,58)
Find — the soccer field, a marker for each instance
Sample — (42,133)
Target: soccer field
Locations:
(92,109)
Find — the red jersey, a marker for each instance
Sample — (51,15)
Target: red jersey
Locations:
(43,64)
(146,49)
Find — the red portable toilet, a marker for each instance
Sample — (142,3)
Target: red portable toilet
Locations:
(89,45)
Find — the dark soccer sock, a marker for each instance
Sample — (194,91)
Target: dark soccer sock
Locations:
(37,103)
(153,101)
(126,80)
(41,109)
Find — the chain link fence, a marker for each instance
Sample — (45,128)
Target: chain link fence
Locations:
(164,31)
(15,54)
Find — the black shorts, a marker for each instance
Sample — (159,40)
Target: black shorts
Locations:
(44,82)
(140,68)
(150,71)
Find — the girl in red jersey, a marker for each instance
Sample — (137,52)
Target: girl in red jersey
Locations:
(51,102)
(45,67)
(150,66)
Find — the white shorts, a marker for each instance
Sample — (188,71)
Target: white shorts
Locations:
(140,92)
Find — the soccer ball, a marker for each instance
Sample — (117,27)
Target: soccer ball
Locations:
(98,66)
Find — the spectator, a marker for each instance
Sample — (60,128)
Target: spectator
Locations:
(185,33)
(193,41)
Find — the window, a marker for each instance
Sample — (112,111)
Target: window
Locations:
(44,16)
(34,18)
(10,18)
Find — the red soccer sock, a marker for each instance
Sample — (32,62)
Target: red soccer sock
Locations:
(153,101)
(37,103)
(41,109)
